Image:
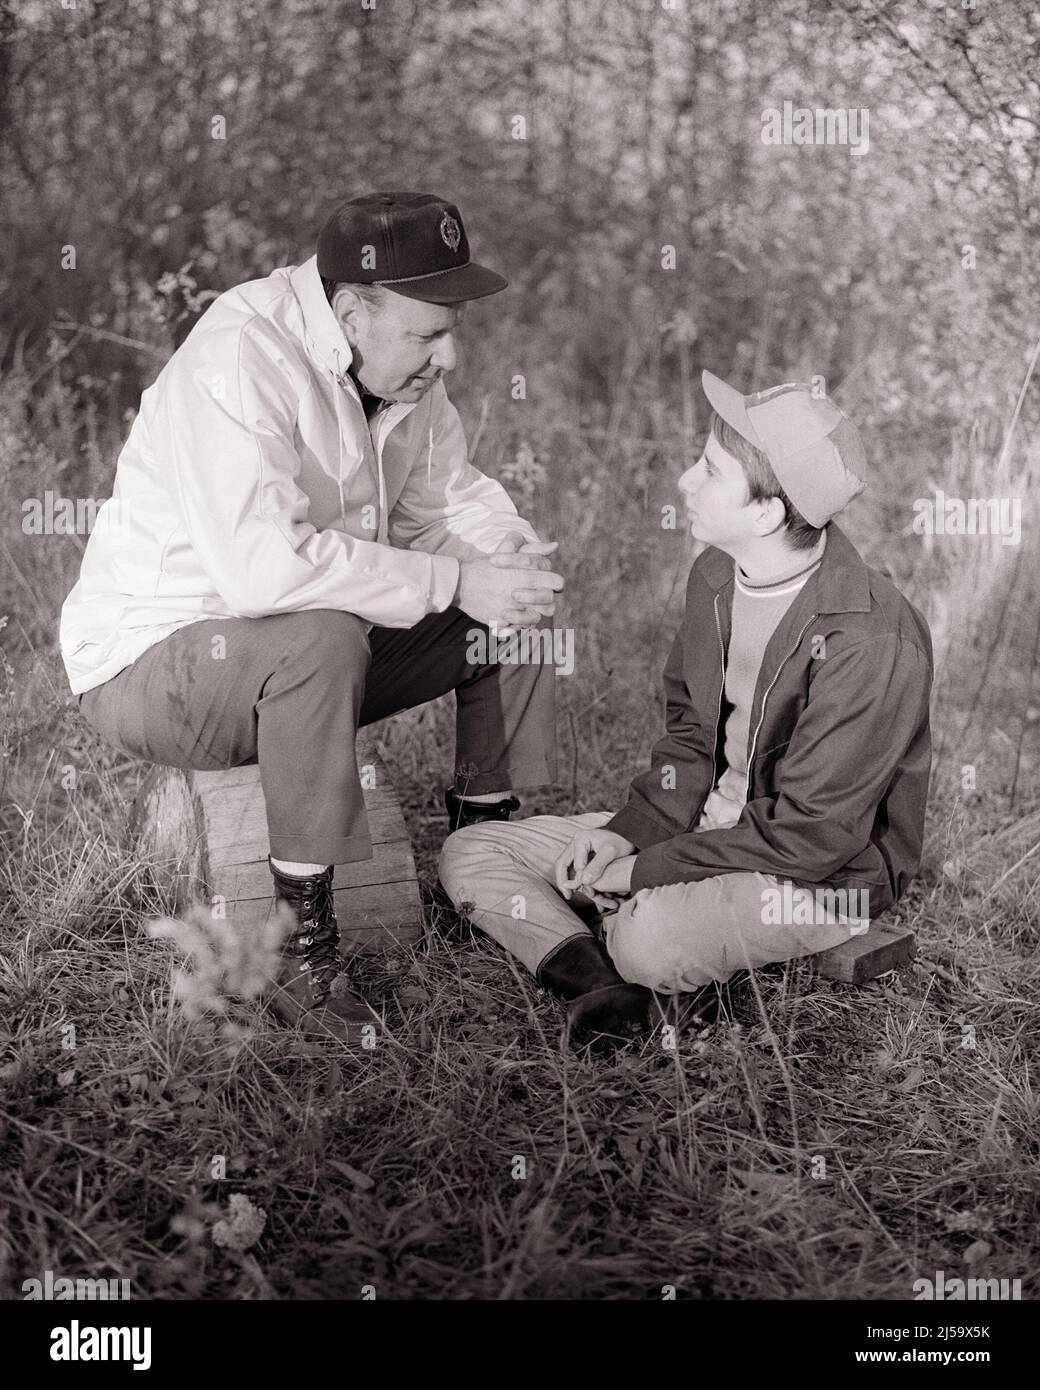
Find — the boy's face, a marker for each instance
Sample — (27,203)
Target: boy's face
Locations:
(716,495)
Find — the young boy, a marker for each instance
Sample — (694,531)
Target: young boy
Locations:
(784,806)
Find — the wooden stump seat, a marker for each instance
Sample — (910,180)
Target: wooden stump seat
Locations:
(205,834)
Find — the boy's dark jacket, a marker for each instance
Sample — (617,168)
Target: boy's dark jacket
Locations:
(839,759)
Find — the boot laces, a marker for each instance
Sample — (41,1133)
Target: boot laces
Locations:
(317,939)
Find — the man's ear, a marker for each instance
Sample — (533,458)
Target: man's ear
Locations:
(349,310)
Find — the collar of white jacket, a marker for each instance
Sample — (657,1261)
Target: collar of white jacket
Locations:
(325,338)
(328,343)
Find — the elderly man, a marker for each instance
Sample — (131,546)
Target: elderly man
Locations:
(296,545)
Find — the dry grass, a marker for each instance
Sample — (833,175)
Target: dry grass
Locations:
(826,1143)
(468,1155)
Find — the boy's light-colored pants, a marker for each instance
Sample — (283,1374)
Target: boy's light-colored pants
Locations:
(672,938)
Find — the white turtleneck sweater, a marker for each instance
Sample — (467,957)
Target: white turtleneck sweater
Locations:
(757,610)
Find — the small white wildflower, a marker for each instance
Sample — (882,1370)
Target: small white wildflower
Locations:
(243,1227)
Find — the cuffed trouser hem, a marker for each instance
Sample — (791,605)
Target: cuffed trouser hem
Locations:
(305,849)
(507,779)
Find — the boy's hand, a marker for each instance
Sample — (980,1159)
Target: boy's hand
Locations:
(616,878)
(586,858)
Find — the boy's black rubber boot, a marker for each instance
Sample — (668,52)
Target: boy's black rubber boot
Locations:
(608,1018)
(603,1010)
(312,988)
(704,1006)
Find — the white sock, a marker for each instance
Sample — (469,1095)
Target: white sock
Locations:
(286,866)
(488,796)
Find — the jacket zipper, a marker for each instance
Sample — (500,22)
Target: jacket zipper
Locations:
(377,444)
(722,689)
(762,712)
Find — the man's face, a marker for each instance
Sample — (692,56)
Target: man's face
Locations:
(401,347)
(716,495)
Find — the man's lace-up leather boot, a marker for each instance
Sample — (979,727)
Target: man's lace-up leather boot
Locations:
(312,988)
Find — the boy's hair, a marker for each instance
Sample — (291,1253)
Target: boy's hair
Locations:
(763,484)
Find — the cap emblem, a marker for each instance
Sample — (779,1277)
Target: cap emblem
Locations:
(451,232)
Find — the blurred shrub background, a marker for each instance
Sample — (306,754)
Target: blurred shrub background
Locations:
(155,153)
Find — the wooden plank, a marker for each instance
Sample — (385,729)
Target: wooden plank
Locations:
(246,842)
(372,918)
(863,958)
(235,815)
(244,775)
(393,863)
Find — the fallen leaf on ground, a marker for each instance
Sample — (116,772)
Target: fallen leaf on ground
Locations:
(360,1180)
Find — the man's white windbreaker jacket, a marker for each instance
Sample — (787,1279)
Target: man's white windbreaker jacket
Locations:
(252,483)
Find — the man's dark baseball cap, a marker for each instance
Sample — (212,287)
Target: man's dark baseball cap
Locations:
(413,243)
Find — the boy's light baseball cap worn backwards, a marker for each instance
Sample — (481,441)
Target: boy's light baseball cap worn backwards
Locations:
(813,448)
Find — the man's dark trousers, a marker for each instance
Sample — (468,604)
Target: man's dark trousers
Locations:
(290,690)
